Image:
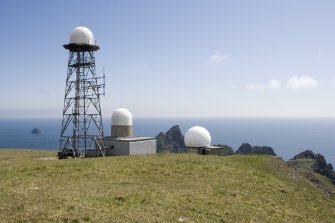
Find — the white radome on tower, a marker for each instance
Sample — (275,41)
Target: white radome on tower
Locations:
(197,137)
(122,117)
(81,35)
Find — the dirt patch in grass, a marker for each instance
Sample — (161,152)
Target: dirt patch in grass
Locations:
(47,158)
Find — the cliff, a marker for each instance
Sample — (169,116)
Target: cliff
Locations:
(171,141)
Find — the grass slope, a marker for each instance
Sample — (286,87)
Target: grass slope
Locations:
(156,188)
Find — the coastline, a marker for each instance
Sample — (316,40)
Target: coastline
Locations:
(287,136)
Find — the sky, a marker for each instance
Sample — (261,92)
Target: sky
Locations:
(174,58)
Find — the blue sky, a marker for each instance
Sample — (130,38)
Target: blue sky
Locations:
(176,58)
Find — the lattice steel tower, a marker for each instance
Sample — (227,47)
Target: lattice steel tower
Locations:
(82,122)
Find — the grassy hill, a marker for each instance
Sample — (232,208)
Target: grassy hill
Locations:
(156,188)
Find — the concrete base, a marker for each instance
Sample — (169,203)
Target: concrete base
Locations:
(93,153)
(122,131)
(209,150)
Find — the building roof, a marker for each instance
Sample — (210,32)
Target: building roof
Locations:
(129,139)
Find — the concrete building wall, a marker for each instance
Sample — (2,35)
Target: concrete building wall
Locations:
(120,148)
(129,146)
(209,150)
(143,147)
(93,153)
(116,148)
(194,150)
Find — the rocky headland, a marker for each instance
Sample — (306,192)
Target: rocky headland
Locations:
(173,141)
(307,162)
(246,149)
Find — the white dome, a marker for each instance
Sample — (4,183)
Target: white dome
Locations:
(122,116)
(197,137)
(81,35)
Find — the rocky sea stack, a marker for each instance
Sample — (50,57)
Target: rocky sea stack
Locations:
(36,131)
(171,141)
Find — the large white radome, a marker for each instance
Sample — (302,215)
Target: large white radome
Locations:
(122,116)
(81,35)
(197,137)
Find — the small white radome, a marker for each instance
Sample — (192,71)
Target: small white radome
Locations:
(81,35)
(122,116)
(197,136)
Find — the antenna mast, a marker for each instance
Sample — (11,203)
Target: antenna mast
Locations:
(82,121)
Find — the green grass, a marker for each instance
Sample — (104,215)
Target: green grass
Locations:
(156,188)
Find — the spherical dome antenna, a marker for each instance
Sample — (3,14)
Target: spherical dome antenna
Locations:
(122,117)
(197,137)
(81,35)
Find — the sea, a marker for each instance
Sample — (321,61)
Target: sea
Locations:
(287,136)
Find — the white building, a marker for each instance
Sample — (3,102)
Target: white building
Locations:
(198,140)
(122,142)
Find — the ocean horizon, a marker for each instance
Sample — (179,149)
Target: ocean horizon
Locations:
(287,136)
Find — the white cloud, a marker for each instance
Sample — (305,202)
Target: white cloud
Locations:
(139,67)
(273,85)
(219,58)
(303,82)
(270,85)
